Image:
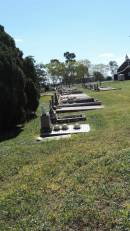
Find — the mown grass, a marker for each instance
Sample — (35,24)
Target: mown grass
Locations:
(78,184)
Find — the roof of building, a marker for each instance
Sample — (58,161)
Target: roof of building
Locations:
(124,66)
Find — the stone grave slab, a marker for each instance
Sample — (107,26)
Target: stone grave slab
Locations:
(41,139)
(107,88)
(79,104)
(74,109)
(74,96)
(83,129)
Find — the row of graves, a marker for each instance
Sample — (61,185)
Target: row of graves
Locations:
(66,101)
(97,87)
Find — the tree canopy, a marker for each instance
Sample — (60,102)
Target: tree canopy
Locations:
(55,70)
(98,76)
(82,72)
(113,67)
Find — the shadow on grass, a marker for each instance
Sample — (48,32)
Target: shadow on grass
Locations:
(10,134)
(15,131)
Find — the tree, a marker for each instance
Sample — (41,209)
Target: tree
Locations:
(113,67)
(56,71)
(108,78)
(31,85)
(86,63)
(82,72)
(12,83)
(29,69)
(102,68)
(98,76)
(16,75)
(41,75)
(70,68)
(69,56)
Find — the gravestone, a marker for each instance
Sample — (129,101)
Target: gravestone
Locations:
(56,99)
(53,115)
(50,104)
(52,100)
(46,125)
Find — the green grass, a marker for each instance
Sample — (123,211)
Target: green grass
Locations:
(78,184)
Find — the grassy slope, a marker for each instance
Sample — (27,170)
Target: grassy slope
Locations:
(78,184)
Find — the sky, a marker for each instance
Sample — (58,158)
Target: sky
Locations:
(97,30)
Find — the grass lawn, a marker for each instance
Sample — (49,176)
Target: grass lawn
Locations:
(82,183)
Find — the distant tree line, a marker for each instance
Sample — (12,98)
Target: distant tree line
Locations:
(72,71)
(19,84)
(68,72)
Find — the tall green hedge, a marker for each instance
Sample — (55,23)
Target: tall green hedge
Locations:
(19,93)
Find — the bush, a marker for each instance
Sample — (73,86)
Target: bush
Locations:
(109,78)
(15,97)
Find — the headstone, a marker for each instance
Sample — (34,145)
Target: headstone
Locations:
(53,115)
(50,104)
(56,99)
(46,125)
(52,100)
